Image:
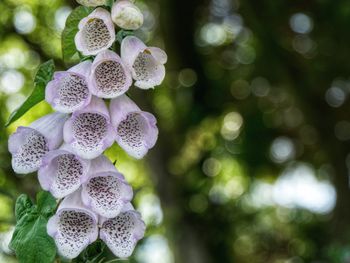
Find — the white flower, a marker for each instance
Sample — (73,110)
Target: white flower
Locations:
(145,63)
(62,172)
(29,144)
(89,131)
(69,91)
(135,130)
(126,15)
(106,192)
(96,32)
(109,77)
(122,233)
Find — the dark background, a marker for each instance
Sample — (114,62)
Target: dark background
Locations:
(252,159)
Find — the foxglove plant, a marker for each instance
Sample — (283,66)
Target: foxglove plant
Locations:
(87,197)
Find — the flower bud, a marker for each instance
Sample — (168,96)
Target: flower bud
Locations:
(126,15)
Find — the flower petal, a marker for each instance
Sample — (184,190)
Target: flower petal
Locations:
(73,227)
(147,71)
(27,147)
(62,172)
(120,107)
(122,233)
(96,32)
(106,194)
(109,78)
(29,144)
(69,91)
(136,130)
(51,126)
(89,131)
(158,54)
(130,48)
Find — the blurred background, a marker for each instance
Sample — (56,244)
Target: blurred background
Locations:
(252,162)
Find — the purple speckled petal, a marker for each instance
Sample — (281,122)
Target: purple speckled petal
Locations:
(130,49)
(96,32)
(147,71)
(145,63)
(89,131)
(73,227)
(69,91)
(62,172)
(136,130)
(109,77)
(106,192)
(122,233)
(120,107)
(29,144)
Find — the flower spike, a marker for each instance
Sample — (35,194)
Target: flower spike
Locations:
(145,63)
(106,192)
(89,131)
(29,144)
(73,227)
(68,91)
(109,77)
(136,130)
(96,33)
(122,233)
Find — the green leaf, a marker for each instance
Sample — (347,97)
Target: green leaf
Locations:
(42,77)
(46,203)
(71,29)
(31,242)
(122,34)
(110,3)
(23,205)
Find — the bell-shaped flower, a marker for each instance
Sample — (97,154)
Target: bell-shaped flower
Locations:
(136,130)
(92,3)
(122,233)
(126,15)
(62,172)
(29,144)
(73,227)
(96,32)
(109,77)
(69,91)
(106,192)
(145,63)
(89,131)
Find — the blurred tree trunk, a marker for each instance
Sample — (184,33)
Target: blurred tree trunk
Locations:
(309,86)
